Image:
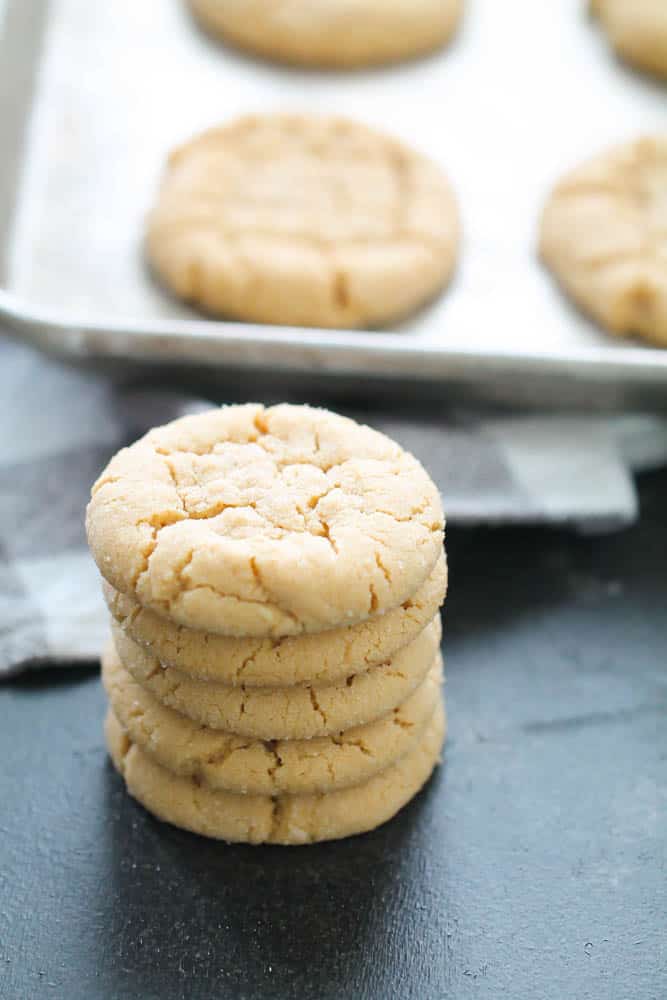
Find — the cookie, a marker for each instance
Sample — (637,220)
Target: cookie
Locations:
(248,521)
(302,220)
(321,658)
(224,761)
(290,819)
(332,33)
(604,236)
(637,29)
(289,713)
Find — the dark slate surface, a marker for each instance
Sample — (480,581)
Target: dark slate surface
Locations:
(533,866)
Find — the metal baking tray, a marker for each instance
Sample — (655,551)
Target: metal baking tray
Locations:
(94,95)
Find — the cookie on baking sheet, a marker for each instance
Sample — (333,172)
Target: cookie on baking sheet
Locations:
(322,658)
(289,713)
(332,33)
(249,521)
(604,236)
(638,31)
(224,761)
(303,220)
(283,819)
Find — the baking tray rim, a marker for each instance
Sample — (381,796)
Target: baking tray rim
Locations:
(329,350)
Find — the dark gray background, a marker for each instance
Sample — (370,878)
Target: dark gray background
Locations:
(533,865)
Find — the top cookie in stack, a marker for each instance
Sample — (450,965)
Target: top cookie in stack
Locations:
(274,574)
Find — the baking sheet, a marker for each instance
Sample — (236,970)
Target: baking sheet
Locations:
(525,91)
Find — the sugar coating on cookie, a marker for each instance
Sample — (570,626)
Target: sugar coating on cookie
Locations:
(225,761)
(335,33)
(298,712)
(249,521)
(319,658)
(604,236)
(303,220)
(281,819)
(637,30)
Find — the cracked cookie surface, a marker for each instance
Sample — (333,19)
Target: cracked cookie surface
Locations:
(248,521)
(322,657)
(222,760)
(604,236)
(282,819)
(637,29)
(290,713)
(304,221)
(332,33)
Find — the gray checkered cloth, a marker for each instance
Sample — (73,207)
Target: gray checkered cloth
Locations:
(60,426)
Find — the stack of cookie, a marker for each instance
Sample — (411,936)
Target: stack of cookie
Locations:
(274,578)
